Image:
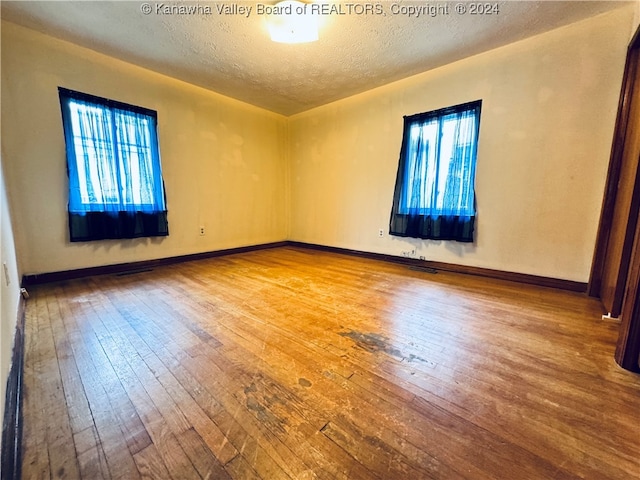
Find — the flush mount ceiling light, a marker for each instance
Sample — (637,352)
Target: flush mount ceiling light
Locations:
(291,21)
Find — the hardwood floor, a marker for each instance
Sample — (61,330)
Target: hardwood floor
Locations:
(297,364)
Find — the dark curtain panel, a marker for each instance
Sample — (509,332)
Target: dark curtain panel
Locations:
(109,225)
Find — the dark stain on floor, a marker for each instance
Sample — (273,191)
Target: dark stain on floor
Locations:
(373,342)
(304,382)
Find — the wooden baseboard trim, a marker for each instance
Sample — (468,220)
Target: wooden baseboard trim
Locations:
(12,419)
(37,279)
(570,285)
(453,268)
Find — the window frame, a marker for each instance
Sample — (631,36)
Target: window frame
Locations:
(121,217)
(432,221)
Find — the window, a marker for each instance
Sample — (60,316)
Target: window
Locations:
(113,163)
(434,194)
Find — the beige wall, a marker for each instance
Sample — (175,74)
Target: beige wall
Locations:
(549,104)
(223,160)
(9,289)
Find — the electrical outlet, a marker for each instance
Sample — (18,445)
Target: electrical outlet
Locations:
(381,233)
(202,232)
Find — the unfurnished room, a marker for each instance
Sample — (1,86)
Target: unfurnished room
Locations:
(320,239)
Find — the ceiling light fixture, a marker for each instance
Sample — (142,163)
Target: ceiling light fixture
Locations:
(291,21)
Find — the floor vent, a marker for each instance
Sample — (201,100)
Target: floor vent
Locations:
(423,269)
(134,272)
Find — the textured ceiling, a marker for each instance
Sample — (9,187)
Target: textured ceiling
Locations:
(232,54)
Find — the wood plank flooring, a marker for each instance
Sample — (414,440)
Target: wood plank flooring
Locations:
(297,364)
